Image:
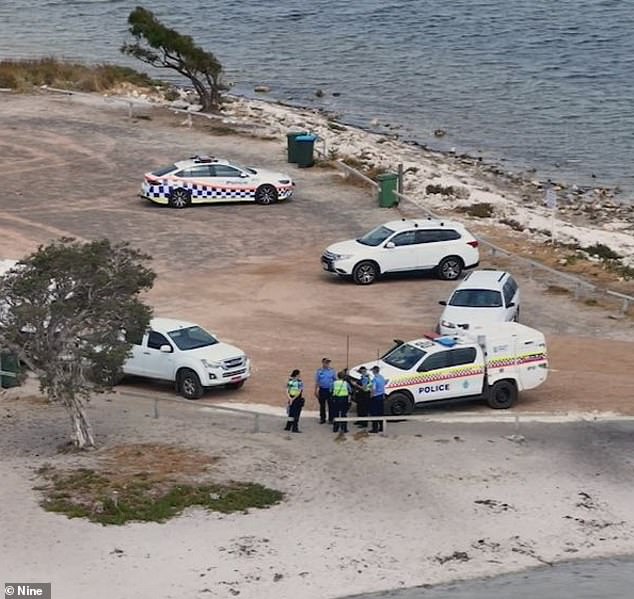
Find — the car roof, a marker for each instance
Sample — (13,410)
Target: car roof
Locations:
(484,279)
(163,325)
(200,159)
(422,223)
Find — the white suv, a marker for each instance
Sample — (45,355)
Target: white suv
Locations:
(183,352)
(484,296)
(404,245)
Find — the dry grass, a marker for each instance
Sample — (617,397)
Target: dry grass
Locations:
(146,482)
(24,75)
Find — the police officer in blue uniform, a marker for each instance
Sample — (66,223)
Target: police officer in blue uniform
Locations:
(324,378)
(377,398)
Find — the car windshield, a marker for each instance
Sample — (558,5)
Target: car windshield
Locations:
(405,356)
(191,338)
(164,170)
(476,298)
(246,169)
(376,236)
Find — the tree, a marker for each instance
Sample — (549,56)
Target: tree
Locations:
(165,48)
(63,313)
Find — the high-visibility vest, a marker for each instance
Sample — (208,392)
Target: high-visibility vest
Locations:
(340,388)
(294,388)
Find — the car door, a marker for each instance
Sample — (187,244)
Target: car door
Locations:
(436,244)
(134,364)
(511,298)
(157,364)
(399,252)
(232,177)
(433,369)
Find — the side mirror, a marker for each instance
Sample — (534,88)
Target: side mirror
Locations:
(390,244)
(511,305)
(243,175)
(165,349)
(442,302)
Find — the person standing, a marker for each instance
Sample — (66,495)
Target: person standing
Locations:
(324,378)
(362,395)
(340,401)
(377,398)
(294,394)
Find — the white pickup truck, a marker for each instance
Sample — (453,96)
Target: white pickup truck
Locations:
(183,352)
(493,363)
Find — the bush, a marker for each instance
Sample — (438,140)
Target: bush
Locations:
(480,210)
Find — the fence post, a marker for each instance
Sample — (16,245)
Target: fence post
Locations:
(626,305)
(129,110)
(256,423)
(156,410)
(577,291)
(400,178)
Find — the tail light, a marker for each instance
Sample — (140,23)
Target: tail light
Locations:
(474,244)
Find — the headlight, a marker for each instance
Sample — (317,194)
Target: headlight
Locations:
(447,324)
(342,256)
(209,364)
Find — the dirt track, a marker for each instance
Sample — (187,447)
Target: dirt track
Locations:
(252,273)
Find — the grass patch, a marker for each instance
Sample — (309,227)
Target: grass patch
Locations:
(601,251)
(146,483)
(26,74)
(513,224)
(479,210)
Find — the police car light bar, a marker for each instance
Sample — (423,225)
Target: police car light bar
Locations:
(202,158)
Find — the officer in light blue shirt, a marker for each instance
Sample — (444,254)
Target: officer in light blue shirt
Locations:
(324,378)
(377,398)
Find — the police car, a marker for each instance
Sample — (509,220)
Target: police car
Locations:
(493,363)
(205,180)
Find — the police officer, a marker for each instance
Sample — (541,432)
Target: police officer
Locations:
(341,401)
(362,395)
(377,398)
(294,394)
(324,378)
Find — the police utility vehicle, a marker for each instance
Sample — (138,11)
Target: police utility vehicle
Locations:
(493,363)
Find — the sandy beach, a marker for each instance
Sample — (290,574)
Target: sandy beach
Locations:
(466,493)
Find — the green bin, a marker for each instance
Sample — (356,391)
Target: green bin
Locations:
(305,146)
(9,364)
(291,146)
(388,183)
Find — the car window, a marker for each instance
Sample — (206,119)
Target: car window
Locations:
(404,238)
(376,236)
(434,235)
(508,293)
(435,361)
(448,235)
(202,170)
(192,338)
(476,298)
(405,356)
(155,340)
(462,355)
(224,170)
(164,170)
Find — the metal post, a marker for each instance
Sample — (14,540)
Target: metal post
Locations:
(400,178)
(256,423)
(156,410)
(129,110)
(577,291)
(189,120)
(626,305)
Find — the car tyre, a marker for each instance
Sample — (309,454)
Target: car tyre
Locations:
(450,268)
(189,384)
(180,198)
(502,395)
(398,404)
(365,273)
(265,195)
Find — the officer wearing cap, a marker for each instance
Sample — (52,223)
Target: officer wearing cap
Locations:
(377,398)
(324,378)
(362,395)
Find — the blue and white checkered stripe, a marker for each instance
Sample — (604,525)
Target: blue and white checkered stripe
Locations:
(198,191)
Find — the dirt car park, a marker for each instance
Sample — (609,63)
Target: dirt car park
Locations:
(251,273)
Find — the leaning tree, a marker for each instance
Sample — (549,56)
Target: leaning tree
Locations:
(64,311)
(165,48)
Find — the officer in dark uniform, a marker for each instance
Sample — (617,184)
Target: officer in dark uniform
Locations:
(363,388)
(295,398)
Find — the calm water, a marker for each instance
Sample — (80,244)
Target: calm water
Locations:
(541,83)
(604,579)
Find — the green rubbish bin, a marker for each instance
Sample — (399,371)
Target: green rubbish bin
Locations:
(291,146)
(388,183)
(9,367)
(305,145)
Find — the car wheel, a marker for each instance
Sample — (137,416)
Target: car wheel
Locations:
(399,404)
(265,195)
(237,385)
(365,273)
(502,395)
(450,268)
(189,384)
(516,318)
(180,198)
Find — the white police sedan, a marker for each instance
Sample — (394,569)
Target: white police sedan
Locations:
(205,180)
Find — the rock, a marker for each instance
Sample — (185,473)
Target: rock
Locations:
(262,89)
(319,93)
(440,133)
(336,94)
